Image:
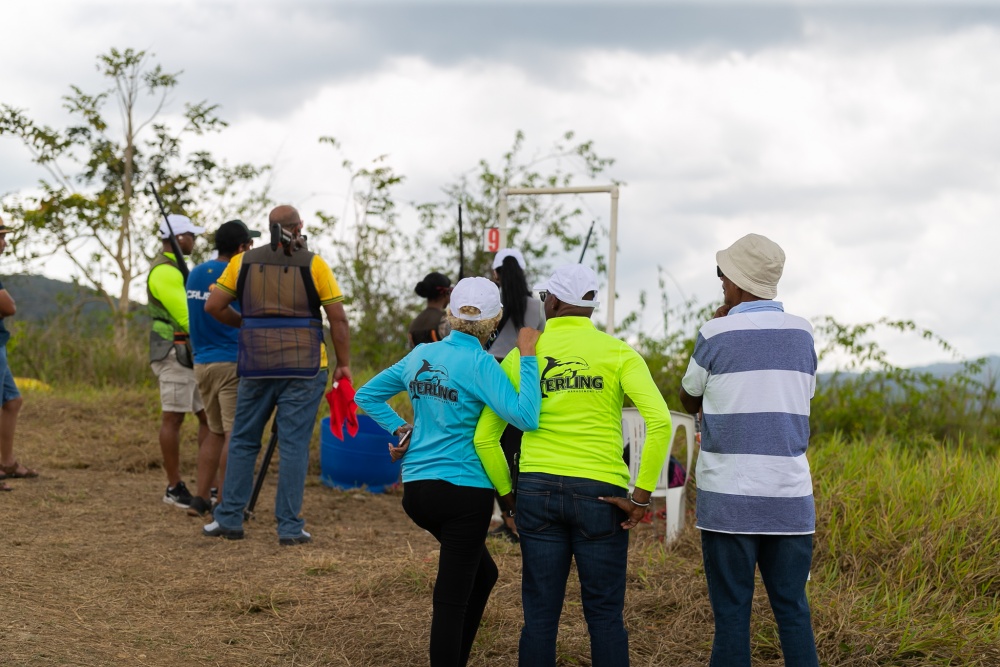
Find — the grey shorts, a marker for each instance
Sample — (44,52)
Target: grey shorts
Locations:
(178,388)
(218,385)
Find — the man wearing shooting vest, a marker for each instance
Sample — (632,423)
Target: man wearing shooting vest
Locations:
(170,352)
(282,363)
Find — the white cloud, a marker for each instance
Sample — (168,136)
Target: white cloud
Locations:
(872,159)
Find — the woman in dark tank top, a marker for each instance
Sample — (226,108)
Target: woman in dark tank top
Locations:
(431,325)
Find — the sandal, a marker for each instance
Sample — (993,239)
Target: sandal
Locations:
(17,471)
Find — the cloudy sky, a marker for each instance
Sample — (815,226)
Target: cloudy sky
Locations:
(863,139)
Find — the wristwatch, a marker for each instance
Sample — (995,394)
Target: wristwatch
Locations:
(636,502)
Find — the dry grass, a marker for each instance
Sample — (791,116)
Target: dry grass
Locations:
(97,571)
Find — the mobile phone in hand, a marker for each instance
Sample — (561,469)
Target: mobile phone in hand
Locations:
(403,438)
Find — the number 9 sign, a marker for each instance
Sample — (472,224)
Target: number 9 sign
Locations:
(491,242)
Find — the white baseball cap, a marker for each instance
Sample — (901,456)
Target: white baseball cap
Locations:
(181,224)
(479,293)
(570,284)
(509,252)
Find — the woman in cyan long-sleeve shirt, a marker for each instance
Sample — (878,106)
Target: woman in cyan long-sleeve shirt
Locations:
(446,486)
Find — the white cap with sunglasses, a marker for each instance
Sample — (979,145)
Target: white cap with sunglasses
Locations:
(570,284)
(181,224)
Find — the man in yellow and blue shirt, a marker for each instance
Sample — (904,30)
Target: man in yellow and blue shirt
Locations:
(282,364)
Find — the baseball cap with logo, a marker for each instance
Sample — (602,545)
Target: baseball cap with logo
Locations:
(181,224)
(570,284)
(479,293)
(234,233)
(754,264)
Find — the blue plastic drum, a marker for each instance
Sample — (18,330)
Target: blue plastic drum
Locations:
(359,461)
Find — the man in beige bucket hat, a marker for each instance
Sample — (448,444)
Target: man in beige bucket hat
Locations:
(752,374)
(750,270)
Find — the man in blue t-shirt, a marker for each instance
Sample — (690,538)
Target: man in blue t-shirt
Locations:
(10,397)
(215,350)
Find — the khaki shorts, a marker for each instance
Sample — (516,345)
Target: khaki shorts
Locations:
(218,385)
(178,389)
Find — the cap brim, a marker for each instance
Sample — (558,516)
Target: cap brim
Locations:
(254,234)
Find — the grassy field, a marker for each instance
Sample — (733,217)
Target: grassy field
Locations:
(97,571)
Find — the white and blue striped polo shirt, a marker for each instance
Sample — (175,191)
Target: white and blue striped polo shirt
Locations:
(756,371)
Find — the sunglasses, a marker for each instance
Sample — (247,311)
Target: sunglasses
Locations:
(718,271)
(543,295)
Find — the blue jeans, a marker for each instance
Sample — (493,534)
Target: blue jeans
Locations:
(784,561)
(8,389)
(559,519)
(297,401)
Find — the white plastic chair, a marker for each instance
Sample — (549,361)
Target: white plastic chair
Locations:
(634,435)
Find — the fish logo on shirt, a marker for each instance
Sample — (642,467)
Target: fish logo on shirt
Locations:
(430,381)
(568,374)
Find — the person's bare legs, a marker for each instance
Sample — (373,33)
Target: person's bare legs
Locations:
(170,445)
(209,455)
(8,424)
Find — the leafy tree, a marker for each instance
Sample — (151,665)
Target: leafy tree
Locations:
(370,261)
(873,395)
(91,208)
(377,261)
(538,225)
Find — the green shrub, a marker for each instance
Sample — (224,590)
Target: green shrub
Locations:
(60,354)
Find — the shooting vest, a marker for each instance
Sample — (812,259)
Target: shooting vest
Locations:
(282,332)
(166,332)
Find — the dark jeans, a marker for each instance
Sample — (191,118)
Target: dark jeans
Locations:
(459,517)
(559,519)
(784,562)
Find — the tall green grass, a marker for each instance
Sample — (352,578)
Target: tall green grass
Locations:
(908,537)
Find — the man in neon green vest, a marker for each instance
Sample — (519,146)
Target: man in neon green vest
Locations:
(573,502)
(170,353)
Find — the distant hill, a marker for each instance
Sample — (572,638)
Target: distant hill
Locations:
(943,369)
(947,369)
(39,299)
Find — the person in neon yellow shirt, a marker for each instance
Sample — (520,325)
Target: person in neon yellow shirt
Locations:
(170,353)
(572,491)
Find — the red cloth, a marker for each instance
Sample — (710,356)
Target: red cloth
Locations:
(342,409)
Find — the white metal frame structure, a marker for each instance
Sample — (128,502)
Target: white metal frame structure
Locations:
(634,433)
(586,189)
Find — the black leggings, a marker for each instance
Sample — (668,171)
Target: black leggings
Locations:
(459,517)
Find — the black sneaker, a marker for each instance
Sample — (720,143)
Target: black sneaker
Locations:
(215,530)
(304,538)
(178,495)
(199,507)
